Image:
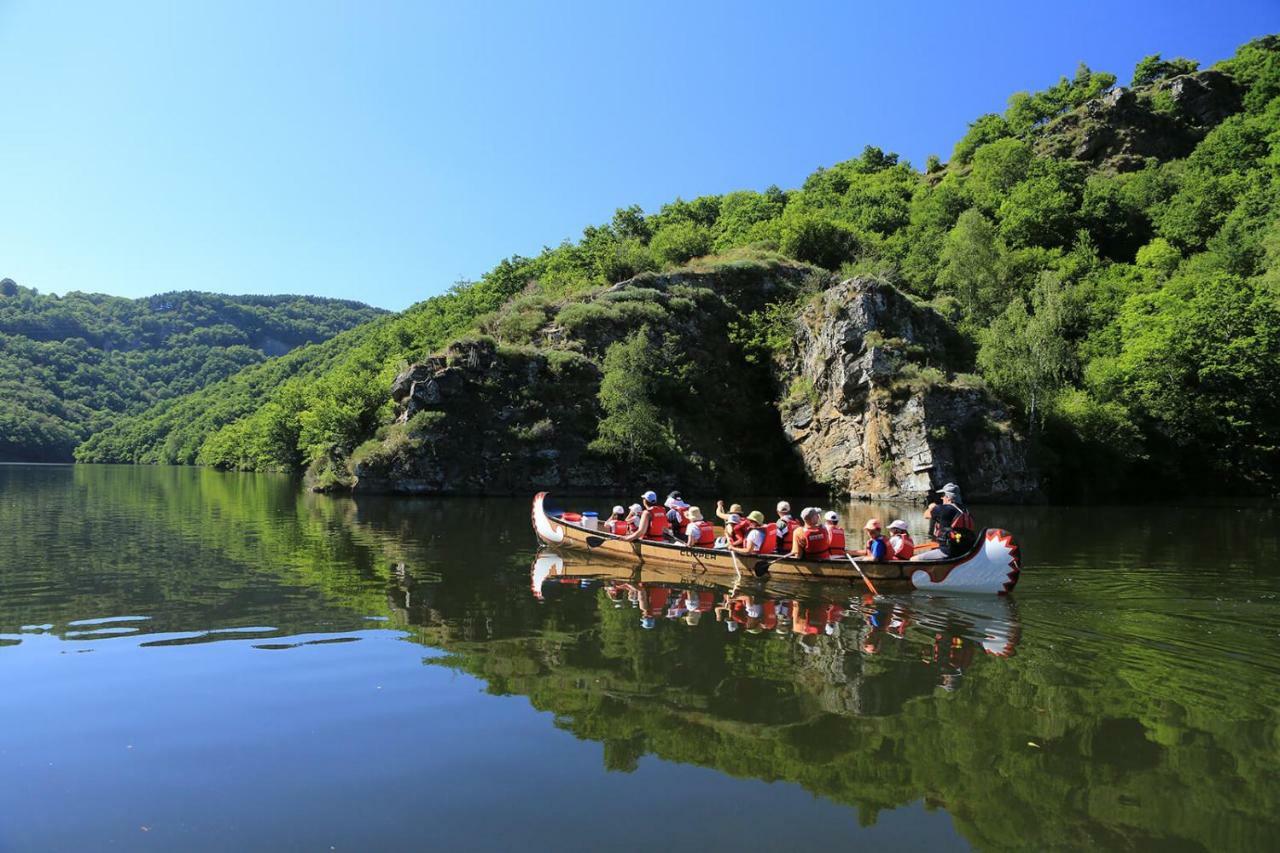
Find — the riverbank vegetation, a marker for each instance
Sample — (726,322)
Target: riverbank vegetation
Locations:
(1112,253)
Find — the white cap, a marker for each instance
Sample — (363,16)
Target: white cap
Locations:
(650,496)
(731,625)
(618,510)
(636,507)
(898,525)
(783,507)
(831,516)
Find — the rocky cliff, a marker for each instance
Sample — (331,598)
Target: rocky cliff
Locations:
(875,408)
(864,401)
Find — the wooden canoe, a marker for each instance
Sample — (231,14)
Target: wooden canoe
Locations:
(992,566)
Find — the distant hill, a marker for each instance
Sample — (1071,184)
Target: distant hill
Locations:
(72,365)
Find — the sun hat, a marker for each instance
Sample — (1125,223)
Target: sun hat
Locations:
(757,516)
(618,510)
(694,513)
(650,496)
(735,508)
(674,496)
(898,525)
(832,516)
(872,524)
(692,617)
(783,507)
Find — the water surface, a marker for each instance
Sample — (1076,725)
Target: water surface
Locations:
(203,661)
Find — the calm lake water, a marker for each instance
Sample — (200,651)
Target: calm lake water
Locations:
(200,661)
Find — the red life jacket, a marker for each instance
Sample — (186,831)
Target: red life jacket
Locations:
(737,533)
(770,544)
(706,533)
(658,523)
(835,542)
(904,549)
(791,525)
(814,545)
(682,519)
(617,526)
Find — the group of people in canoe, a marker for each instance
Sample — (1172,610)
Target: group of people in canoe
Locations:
(814,535)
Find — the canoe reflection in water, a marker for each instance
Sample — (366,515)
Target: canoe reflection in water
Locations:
(946,634)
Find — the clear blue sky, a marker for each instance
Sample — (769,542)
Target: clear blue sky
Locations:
(380,151)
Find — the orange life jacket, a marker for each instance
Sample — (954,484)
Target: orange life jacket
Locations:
(901,547)
(706,533)
(814,545)
(658,523)
(835,542)
(617,526)
(682,519)
(786,538)
(737,533)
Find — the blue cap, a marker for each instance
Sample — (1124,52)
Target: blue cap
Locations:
(647,621)
(650,496)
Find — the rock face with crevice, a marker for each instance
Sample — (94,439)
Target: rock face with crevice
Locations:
(874,411)
(862,403)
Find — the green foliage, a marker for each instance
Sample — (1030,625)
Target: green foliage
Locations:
(1152,68)
(677,242)
(1027,111)
(819,241)
(73,365)
(1025,354)
(633,429)
(1256,66)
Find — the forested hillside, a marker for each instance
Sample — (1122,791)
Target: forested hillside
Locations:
(1111,252)
(71,365)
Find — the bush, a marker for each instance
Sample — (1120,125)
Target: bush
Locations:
(676,243)
(811,238)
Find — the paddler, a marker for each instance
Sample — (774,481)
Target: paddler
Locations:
(699,533)
(877,546)
(786,526)
(951,525)
(835,536)
(617,523)
(900,545)
(653,524)
(677,511)
(760,538)
(810,541)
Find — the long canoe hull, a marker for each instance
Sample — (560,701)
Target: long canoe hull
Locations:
(992,567)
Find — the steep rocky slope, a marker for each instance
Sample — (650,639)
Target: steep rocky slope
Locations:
(863,401)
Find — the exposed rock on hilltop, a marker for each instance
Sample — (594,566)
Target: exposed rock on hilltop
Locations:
(860,403)
(873,410)
(1124,127)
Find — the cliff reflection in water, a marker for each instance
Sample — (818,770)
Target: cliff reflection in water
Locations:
(1128,696)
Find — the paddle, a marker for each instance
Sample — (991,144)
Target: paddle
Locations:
(863,575)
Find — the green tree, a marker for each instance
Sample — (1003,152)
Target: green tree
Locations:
(1024,354)
(821,241)
(679,241)
(1152,68)
(632,428)
(972,268)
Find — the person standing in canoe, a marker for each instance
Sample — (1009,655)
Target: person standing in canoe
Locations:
(653,524)
(760,538)
(900,545)
(786,527)
(699,533)
(810,542)
(950,524)
(835,536)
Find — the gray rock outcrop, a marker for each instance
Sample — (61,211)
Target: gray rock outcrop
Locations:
(873,410)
